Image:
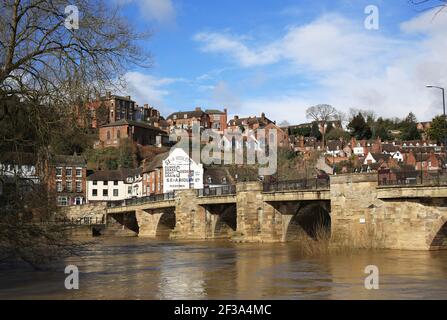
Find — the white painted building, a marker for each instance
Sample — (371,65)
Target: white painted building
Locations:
(113,185)
(181,172)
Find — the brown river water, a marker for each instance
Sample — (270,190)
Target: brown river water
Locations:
(135,268)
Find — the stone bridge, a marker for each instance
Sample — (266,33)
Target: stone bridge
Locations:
(356,211)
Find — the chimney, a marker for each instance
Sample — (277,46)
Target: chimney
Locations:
(146,106)
(263,116)
(198,109)
(225,110)
(236,117)
(108,94)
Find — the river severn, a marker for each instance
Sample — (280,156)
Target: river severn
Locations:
(135,268)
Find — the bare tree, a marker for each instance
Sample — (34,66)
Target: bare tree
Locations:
(322,114)
(46,69)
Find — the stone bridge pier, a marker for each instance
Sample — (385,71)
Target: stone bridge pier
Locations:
(397,217)
(122,224)
(156,223)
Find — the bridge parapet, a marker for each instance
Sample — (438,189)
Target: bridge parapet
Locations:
(217,191)
(301,184)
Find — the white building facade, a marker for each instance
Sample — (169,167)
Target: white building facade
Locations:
(114,185)
(181,172)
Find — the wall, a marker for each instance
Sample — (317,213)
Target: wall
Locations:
(360,219)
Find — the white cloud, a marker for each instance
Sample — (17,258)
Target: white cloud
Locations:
(145,88)
(162,11)
(352,67)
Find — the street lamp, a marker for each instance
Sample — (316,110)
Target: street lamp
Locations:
(443,111)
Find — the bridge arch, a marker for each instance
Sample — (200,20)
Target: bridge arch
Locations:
(437,238)
(224,220)
(165,225)
(311,220)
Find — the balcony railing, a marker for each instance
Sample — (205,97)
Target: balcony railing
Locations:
(302,184)
(141,200)
(217,191)
(408,178)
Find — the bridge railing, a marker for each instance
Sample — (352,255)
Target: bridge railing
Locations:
(301,184)
(141,200)
(408,178)
(75,221)
(217,191)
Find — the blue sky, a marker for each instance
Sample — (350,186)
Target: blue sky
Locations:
(280,57)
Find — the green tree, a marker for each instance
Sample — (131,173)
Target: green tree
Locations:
(338,133)
(409,128)
(305,131)
(359,128)
(315,131)
(127,155)
(437,129)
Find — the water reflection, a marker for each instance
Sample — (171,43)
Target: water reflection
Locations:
(132,268)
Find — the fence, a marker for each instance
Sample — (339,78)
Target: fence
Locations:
(217,191)
(302,184)
(142,200)
(403,178)
(74,221)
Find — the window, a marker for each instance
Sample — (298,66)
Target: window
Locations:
(78,186)
(115,192)
(68,172)
(118,134)
(105,183)
(115,183)
(105,192)
(108,135)
(78,201)
(59,186)
(69,186)
(95,183)
(78,172)
(129,190)
(58,172)
(62,201)
(95,192)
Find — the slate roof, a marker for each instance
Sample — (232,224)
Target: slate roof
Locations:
(114,175)
(124,122)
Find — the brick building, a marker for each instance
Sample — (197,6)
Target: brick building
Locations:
(218,119)
(66,178)
(252,123)
(153,175)
(185,119)
(142,133)
(109,109)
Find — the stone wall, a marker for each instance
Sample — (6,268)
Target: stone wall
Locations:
(360,219)
(190,217)
(96,211)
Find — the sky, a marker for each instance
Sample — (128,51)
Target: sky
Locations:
(282,56)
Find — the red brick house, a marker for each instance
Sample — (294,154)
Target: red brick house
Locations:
(153,175)
(108,109)
(186,119)
(218,119)
(67,179)
(143,134)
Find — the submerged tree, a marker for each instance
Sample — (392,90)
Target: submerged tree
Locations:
(49,67)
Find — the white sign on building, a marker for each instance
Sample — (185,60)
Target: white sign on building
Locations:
(176,172)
